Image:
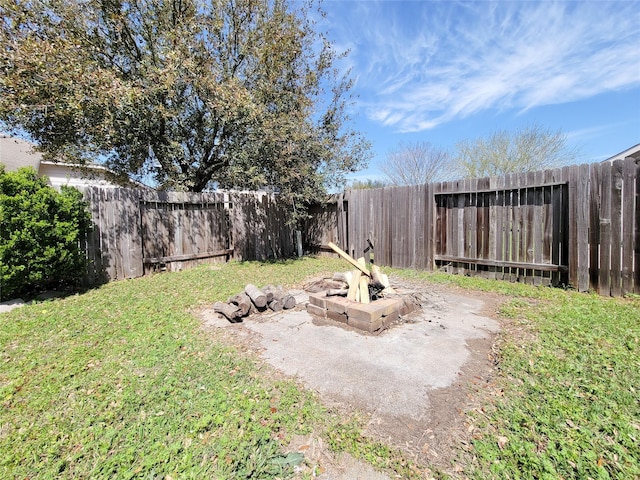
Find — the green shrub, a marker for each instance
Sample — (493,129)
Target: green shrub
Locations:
(40,233)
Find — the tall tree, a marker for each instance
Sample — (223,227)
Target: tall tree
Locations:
(238,93)
(416,163)
(526,150)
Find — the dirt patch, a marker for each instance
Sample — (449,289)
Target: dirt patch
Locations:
(414,381)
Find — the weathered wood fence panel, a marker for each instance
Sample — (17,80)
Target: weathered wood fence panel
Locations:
(260,227)
(181,229)
(114,246)
(498,231)
(139,231)
(577,226)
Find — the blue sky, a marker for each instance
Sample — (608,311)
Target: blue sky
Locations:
(445,71)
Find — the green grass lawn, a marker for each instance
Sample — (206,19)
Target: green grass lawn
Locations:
(121,382)
(567,401)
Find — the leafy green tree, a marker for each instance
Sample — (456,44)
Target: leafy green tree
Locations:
(233,93)
(40,234)
(415,164)
(529,149)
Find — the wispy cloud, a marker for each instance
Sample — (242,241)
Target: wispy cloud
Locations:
(421,64)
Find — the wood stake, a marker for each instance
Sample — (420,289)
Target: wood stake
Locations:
(350,259)
(364,284)
(354,284)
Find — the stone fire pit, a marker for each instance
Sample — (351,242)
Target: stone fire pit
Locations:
(371,317)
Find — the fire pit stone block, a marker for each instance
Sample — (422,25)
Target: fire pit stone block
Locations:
(318,299)
(337,304)
(373,311)
(338,317)
(316,310)
(367,326)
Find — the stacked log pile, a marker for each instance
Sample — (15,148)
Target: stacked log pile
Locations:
(255,300)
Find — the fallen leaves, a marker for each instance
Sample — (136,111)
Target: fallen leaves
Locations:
(502,442)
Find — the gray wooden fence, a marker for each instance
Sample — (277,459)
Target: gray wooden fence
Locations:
(139,231)
(577,226)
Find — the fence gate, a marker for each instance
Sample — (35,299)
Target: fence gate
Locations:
(180,229)
(514,231)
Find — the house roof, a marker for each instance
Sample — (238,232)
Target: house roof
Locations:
(16,153)
(633,152)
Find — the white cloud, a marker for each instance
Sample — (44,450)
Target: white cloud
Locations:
(421,64)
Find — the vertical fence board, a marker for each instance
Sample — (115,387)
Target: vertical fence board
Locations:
(547,218)
(491,230)
(537,226)
(582,228)
(558,224)
(529,225)
(429,226)
(571,174)
(500,225)
(604,275)
(628,199)
(636,236)
(595,182)
(616,228)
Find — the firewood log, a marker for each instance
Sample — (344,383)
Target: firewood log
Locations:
(342,277)
(229,311)
(243,302)
(257,296)
(276,305)
(342,292)
(288,301)
(270,291)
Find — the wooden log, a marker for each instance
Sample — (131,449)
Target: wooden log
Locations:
(276,305)
(343,277)
(257,296)
(289,301)
(354,285)
(229,311)
(337,292)
(243,302)
(270,291)
(376,277)
(362,267)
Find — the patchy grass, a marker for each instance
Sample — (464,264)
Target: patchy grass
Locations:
(120,382)
(569,393)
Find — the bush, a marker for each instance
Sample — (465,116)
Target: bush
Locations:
(40,233)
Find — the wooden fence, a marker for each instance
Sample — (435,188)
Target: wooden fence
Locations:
(137,231)
(577,226)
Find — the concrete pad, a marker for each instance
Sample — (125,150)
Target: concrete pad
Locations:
(391,374)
